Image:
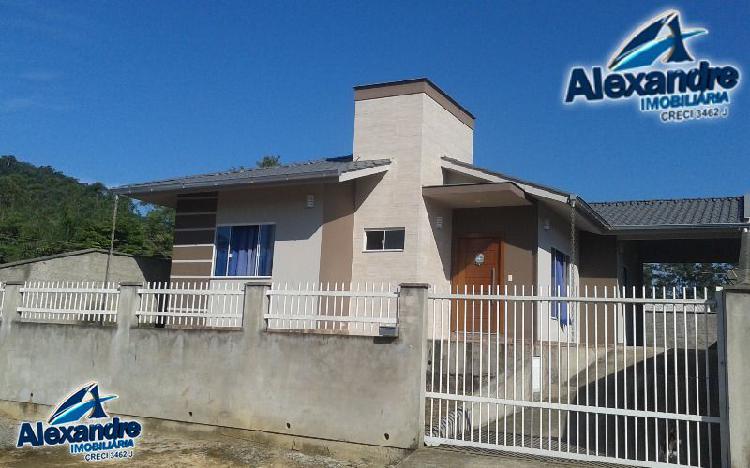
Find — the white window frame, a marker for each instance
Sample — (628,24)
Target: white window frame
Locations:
(257,253)
(364,243)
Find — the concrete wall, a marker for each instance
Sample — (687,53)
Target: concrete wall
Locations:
(345,388)
(88,267)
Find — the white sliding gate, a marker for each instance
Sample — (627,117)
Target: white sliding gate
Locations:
(619,376)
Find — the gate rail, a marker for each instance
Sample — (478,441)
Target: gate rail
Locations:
(604,375)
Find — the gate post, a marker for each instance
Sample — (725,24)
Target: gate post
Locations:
(736,330)
(412,318)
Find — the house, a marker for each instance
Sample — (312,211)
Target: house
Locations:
(87,265)
(409,205)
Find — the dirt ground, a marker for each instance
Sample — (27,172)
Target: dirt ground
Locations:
(170,448)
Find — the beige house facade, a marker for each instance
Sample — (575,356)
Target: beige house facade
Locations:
(409,205)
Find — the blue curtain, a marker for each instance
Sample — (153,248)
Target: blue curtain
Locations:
(265,262)
(223,235)
(559,283)
(242,248)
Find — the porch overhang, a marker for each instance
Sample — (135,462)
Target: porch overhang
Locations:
(476,195)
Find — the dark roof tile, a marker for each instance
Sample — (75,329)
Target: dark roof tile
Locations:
(679,212)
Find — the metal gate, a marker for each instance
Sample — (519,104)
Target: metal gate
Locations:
(605,375)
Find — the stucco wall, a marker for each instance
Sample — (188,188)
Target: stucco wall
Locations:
(598,271)
(336,238)
(557,236)
(89,267)
(297,247)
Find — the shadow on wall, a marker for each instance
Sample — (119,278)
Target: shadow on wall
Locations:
(675,382)
(154,269)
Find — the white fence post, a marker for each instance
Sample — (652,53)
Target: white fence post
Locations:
(255,305)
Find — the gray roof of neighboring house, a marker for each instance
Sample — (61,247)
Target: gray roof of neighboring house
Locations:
(62,255)
(321,168)
(687,212)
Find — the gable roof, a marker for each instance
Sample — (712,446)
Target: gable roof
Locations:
(686,212)
(317,169)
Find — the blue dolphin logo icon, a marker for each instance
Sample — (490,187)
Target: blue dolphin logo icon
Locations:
(648,44)
(74,407)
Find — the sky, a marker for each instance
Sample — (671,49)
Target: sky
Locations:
(122,92)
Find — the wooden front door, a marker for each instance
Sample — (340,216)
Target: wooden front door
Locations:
(477,268)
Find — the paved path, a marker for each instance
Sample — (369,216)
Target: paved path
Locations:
(172,449)
(439,457)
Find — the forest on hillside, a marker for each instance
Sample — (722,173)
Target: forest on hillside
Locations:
(44,212)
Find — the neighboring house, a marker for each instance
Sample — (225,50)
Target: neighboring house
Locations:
(410,206)
(86,265)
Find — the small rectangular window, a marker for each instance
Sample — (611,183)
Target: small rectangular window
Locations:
(244,250)
(384,239)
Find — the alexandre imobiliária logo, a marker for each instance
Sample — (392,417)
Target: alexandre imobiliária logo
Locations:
(99,441)
(677,93)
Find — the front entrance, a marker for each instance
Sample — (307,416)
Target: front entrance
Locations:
(476,269)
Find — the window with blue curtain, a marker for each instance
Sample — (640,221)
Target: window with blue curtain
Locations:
(244,250)
(560,266)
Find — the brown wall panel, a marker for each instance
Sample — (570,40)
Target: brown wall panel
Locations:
(193,253)
(597,268)
(191,269)
(194,221)
(337,244)
(194,237)
(196,205)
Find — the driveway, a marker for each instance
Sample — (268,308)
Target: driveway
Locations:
(172,448)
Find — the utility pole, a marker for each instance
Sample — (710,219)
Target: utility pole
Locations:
(111,242)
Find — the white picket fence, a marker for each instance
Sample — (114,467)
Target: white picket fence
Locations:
(184,304)
(338,308)
(66,301)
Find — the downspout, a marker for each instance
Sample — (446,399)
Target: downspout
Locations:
(571,276)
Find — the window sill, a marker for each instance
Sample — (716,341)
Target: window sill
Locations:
(238,277)
(383,250)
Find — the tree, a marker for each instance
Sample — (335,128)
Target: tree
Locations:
(686,275)
(269,160)
(44,212)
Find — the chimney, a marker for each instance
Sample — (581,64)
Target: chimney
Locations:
(414,124)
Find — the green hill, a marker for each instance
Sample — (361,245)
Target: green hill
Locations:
(44,212)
